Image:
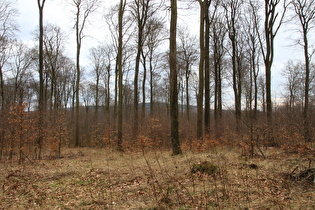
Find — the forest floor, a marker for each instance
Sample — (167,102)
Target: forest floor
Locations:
(87,178)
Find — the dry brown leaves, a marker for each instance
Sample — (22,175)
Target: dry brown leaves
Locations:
(104,179)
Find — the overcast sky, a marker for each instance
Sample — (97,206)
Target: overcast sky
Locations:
(59,12)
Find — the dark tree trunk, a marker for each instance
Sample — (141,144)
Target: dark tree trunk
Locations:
(143,86)
(207,67)
(41,101)
(120,74)
(187,74)
(77,83)
(173,80)
(201,73)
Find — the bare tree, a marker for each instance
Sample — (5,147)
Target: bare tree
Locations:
(8,27)
(273,19)
(188,55)
(142,11)
(66,82)
(112,21)
(218,36)
(293,73)
(84,8)
(233,15)
(305,11)
(54,42)
(155,36)
(21,62)
(254,51)
(98,61)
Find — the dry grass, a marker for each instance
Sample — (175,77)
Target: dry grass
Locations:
(106,179)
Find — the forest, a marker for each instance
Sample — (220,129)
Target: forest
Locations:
(161,117)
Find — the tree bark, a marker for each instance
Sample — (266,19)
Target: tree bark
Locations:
(41,101)
(201,73)
(173,80)
(207,66)
(143,86)
(78,76)
(120,74)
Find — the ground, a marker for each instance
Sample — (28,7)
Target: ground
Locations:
(87,178)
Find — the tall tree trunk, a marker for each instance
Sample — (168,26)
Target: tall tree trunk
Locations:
(2,131)
(307,136)
(268,58)
(151,85)
(201,73)
(108,98)
(235,79)
(136,91)
(255,73)
(97,95)
(187,91)
(41,101)
(77,84)
(2,88)
(116,88)
(82,13)
(173,80)
(143,86)
(207,67)
(120,74)
(271,30)
(218,90)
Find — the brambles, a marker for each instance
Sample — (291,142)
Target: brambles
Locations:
(205,167)
(305,175)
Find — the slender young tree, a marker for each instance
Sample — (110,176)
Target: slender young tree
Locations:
(83,10)
(305,11)
(173,81)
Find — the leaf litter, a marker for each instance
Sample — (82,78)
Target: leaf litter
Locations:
(105,179)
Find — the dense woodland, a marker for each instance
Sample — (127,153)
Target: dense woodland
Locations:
(154,84)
